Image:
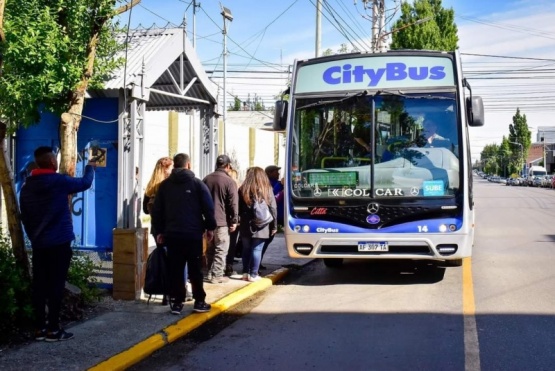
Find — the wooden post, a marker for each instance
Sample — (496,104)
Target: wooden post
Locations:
(130,256)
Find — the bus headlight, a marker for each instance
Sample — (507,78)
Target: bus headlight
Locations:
(306,229)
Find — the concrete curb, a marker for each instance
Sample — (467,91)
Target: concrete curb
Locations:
(173,332)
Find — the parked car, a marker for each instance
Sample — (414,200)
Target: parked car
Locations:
(546,181)
(537,182)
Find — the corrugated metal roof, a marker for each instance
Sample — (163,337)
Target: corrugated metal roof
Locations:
(158,53)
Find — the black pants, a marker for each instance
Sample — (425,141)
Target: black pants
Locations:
(183,251)
(50,266)
(233,244)
(265,247)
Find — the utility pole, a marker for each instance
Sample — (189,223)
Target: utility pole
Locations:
(543,140)
(318,28)
(378,22)
(195,24)
(226,13)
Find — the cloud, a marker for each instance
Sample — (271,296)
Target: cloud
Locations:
(526,30)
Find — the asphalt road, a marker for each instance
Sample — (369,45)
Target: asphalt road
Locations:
(496,312)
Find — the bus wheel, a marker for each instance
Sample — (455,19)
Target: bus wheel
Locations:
(454,263)
(333,262)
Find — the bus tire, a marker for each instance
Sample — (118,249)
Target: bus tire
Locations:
(333,262)
(454,263)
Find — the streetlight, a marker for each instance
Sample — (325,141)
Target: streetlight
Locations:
(522,154)
(226,13)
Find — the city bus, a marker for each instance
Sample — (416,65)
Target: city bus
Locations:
(378,161)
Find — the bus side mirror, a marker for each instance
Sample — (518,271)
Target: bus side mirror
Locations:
(280,115)
(475,111)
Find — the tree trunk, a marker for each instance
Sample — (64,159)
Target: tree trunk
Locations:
(8,188)
(12,209)
(70,121)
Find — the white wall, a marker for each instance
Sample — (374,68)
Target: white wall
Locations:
(156,140)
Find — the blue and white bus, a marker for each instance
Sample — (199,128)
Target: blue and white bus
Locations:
(378,159)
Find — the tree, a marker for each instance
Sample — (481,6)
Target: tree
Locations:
(343,49)
(520,133)
(236,105)
(488,157)
(425,25)
(49,52)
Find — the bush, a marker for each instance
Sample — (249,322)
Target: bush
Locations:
(16,311)
(15,293)
(82,274)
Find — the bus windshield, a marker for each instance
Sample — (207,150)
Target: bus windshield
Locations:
(383,145)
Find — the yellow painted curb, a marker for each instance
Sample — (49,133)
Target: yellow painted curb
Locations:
(145,348)
(132,355)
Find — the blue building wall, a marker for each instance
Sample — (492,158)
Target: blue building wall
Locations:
(94,211)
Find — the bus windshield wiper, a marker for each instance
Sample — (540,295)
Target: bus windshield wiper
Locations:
(398,93)
(342,100)
(431,97)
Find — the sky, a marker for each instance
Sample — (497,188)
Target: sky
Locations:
(507,48)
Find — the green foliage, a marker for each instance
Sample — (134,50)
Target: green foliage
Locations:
(236,106)
(509,157)
(437,30)
(15,302)
(45,54)
(342,50)
(81,273)
(520,133)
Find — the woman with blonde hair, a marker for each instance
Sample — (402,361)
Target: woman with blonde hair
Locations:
(255,187)
(162,170)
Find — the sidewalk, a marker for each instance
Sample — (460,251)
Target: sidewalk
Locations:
(118,339)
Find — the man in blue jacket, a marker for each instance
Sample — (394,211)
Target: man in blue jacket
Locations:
(44,203)
(183,211)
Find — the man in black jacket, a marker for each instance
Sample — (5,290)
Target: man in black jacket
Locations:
(183,211)
(225,195)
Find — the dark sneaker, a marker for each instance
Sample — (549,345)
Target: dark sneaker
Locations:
(221,279)
(59,335)
(176,308)
(201,307)
(40,335)
(229,271)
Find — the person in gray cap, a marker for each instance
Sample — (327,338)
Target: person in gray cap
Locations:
(225,195)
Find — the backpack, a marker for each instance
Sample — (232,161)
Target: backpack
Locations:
(156,277)
(262,216)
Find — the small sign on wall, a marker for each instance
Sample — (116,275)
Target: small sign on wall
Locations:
(98,155)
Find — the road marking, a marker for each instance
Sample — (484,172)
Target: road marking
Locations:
(471,345)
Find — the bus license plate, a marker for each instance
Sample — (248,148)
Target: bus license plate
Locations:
(373,246)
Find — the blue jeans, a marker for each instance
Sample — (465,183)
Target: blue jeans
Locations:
(252,254)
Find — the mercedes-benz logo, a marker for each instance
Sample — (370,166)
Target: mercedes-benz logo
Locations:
(414,191)
(373,208)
